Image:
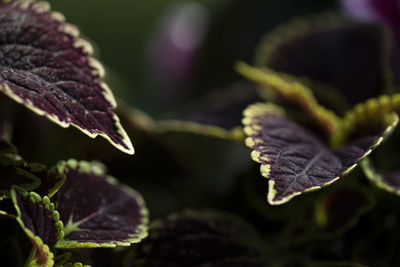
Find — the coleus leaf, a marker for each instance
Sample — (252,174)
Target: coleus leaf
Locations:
(330,49)
(217,114)
(50,180)
(293,159)
(40,222)
(109,216)
(46,67)
(365,117)
(198,239)
(30,176)
(292,93)
(13,173)
(387,180)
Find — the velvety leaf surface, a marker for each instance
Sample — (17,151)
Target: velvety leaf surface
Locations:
(97,210)
(293,159)
(328,49)
(13,173)
(45,66)
(197,239)
(40,222)
(217,114)
(293,95)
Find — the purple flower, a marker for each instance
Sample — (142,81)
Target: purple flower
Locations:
(383,11)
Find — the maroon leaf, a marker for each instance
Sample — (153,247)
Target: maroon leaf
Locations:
(12,173)
(97,210)
(294,160)
(198,239)
(45,66)
(40,222)
(50,180)
(331,50)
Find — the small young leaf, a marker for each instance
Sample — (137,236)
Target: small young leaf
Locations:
(332,50)
(13,173)
(218,114)
(293,159)
(46,67)
(293,93)
(97,210)
(30,176)
(50,180)
(40,222)
(198,239)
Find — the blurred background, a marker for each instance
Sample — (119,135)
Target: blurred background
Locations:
(160,53)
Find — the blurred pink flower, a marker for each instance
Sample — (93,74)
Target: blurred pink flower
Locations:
(384,11)
(175,43)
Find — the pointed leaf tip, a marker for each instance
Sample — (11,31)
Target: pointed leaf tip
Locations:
(50,70)
(293,159)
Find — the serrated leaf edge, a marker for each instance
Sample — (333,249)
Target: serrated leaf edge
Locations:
(99,169)
(250,128)
(34,197)
(376,178)
(290,88)
(98,69)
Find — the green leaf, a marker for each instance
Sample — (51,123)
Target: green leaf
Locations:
(40,222)
(49,69)
(293,159)
(97,210)
(198,239)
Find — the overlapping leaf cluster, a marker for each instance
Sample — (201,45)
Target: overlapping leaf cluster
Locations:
(320,99)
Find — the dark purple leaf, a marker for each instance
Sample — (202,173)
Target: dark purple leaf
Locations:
(12,173)
(50,180)
(197,239)
(328,49)
(218,114)
(293,159)
(40,222)
(97,210)
(45,66)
